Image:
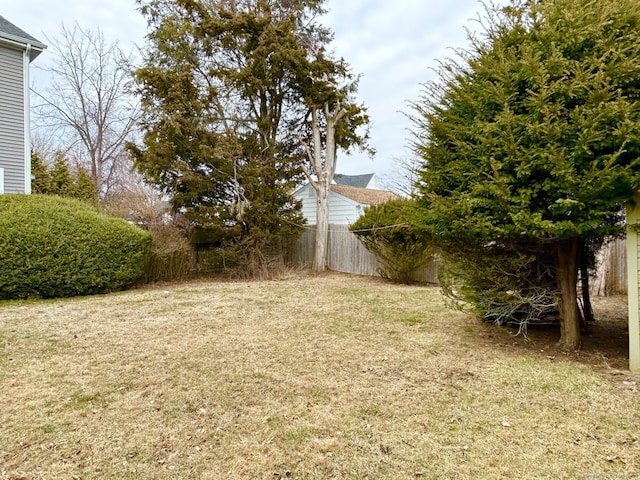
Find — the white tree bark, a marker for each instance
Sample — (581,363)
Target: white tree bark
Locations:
(320,173)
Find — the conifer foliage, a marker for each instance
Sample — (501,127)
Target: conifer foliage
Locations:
(222,89)
(530,142)
(55,247)
(58,179)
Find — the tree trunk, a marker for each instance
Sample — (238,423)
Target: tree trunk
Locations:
(324,166)
(567,266)
(322,227)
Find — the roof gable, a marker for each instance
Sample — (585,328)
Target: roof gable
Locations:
(14,35)
(361,181)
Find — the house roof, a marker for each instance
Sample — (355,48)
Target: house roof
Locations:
(365,196)
(353,180)
(14,35)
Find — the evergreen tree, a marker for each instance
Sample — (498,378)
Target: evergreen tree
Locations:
(84,187)
(388,231)
(220,92)
(530,145)
(59,180)
(61,183)
(40,175)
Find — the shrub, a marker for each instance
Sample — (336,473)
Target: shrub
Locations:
(387,231)
(171,255)
(59,179)
(56,247)
(241,253)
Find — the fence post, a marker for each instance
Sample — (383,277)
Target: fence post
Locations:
(633,214)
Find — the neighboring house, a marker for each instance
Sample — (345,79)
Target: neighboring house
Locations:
(368,180)
(346,202)
(17,50)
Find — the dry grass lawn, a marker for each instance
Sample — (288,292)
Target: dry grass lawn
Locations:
(309,377)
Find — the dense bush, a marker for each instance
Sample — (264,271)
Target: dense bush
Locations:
(56,247)
(387,231)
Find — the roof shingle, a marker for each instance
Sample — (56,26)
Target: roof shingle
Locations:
(365,196)
(353,180)
(10,32)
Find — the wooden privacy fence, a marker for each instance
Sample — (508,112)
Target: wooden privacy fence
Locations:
(611,272)
(347,254)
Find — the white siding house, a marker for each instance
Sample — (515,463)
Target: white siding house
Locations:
(17,50)
(346,203)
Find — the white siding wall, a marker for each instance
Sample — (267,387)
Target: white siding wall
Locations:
(342,210)
(307,196)
(12,129)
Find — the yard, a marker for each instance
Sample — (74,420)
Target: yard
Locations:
(308,377)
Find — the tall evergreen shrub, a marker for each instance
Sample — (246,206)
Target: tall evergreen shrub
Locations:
(57,247)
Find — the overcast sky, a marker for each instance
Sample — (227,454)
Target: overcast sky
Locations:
(392,44)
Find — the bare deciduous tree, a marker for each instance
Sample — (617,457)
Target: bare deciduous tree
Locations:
(137,201)
(87,106)
(405,175)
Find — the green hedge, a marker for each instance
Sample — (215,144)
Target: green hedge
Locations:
(56,247)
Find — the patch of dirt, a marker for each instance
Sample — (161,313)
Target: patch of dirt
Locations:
(605,345)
